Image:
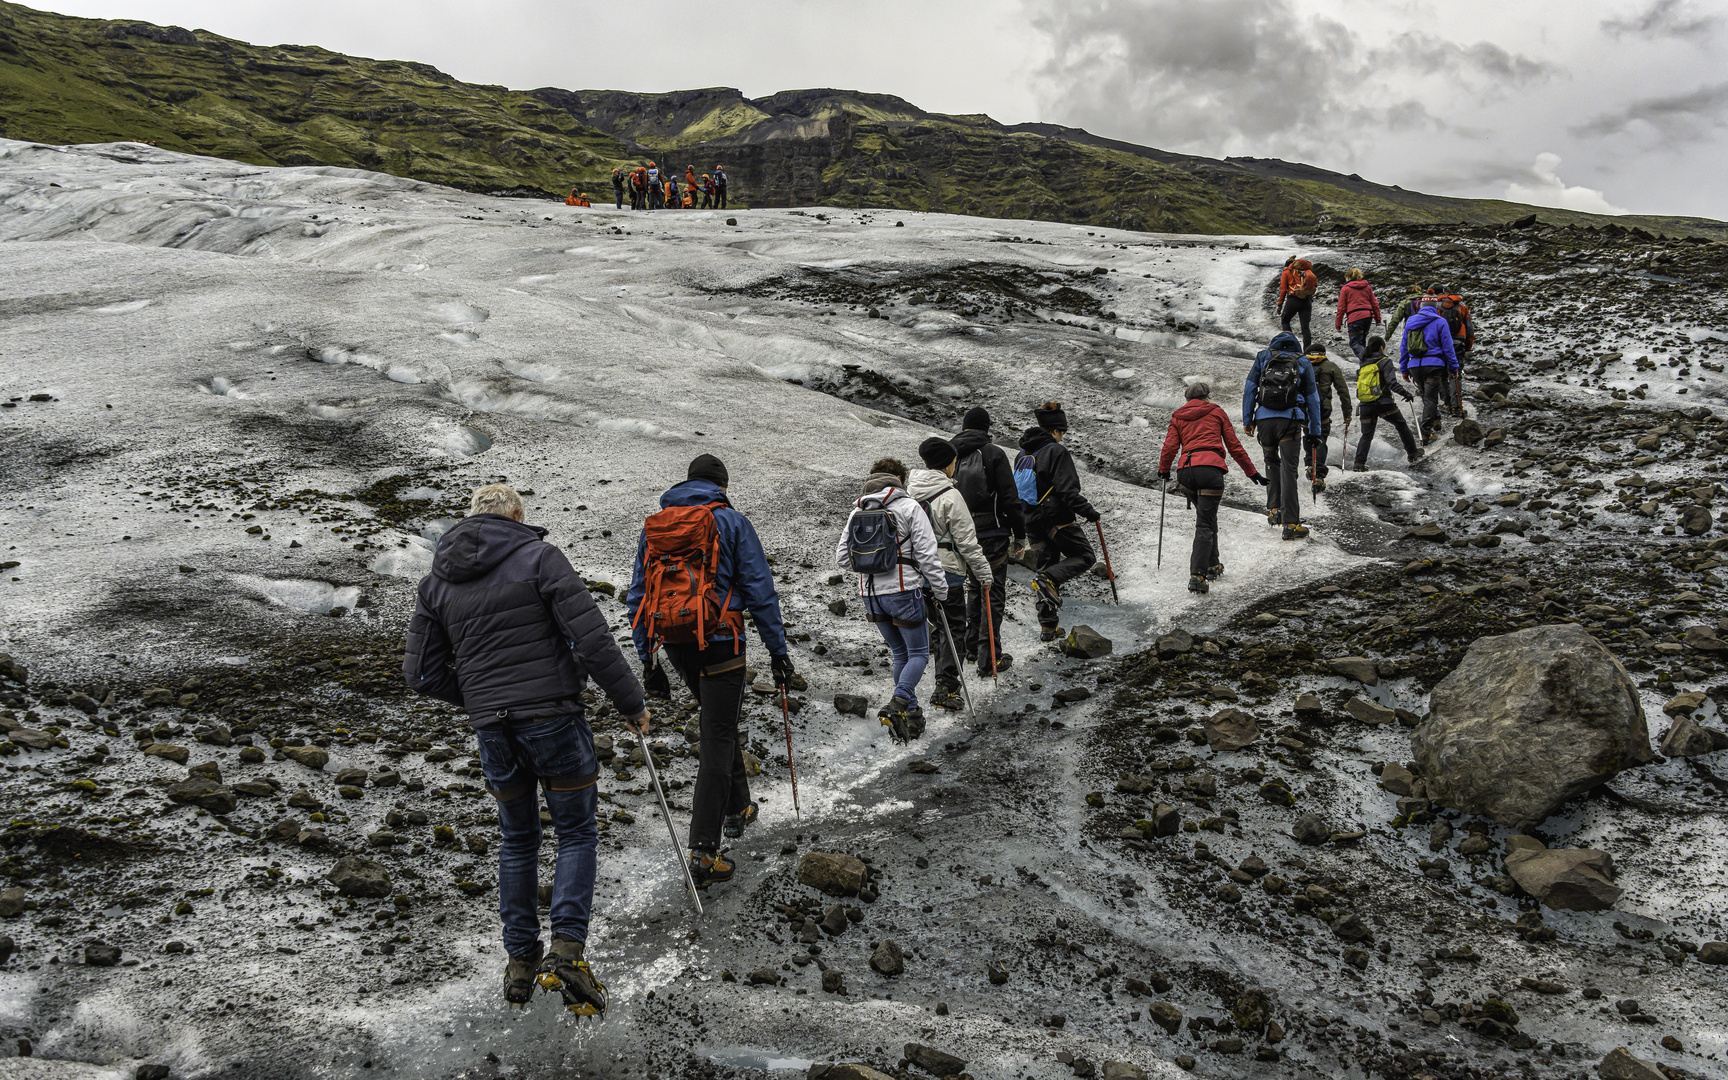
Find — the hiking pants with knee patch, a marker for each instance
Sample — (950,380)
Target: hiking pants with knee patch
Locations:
(1066,554)
(1435,383)
(1297,307)
(942,647)
(1372,412)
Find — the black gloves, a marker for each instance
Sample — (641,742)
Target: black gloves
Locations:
(1165,476)
(784,675)
(1092,517)
(1258,479)
(655,684)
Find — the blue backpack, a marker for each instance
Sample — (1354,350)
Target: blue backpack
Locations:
(1026,480)
(873,539)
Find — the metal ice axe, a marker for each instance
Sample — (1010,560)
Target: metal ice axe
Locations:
(959,668)
(786,713)
(1105,548)
(665,812)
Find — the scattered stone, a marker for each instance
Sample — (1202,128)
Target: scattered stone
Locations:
(836,875)
(1528,720)
(354,876)
(1308,704)
(851,704)
(1310,829)
(98,954)
(1429,532)
(934,1061)
(765,976)
(313,757)
(1467,432)
(7,948)
(1357,958)
(1369,712)
(11,903)
(1352,929)
(1542,986)
(838,607)
(1359,668)
(845,1071)
(1687,738)
(834,920)
(204,792)
(1713,952)
(1397,779)
(1166,1016)
(176,754)
(833,982)
(1175,643)
(1621,1065)
(888,959)
(1570,879)
(922,767)
(1123,1070)
(1230,729)
(1085,643)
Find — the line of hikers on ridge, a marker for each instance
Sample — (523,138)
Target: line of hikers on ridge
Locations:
(504,628)
(648,188)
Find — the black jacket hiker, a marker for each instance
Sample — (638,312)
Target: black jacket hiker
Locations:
(1059,483)
(506,630)
(999,512)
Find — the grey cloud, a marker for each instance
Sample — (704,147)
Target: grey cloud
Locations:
(1427,54)
(1664,19)
(1675,115)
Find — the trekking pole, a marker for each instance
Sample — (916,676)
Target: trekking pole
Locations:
(1105,548)
(786,714)
(960,668)
(1163,500)
(990,624)
(666,812)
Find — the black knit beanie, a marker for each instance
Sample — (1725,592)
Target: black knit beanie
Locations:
(977,418)
(1051,417)
(936,452)
(708,467)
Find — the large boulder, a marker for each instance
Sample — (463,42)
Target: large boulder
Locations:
(1571,879)
(1085,643)
(1687,738)
(1527,721)
(354,876)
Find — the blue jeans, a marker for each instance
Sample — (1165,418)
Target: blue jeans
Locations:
(910,645)
(557,752)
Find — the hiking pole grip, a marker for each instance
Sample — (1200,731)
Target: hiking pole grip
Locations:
(792,766)
(666,812)
(1109,571)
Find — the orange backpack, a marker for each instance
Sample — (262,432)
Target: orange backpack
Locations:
(679,559)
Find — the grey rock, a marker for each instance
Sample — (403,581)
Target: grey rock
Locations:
(1085,643)
(1621,1065)
(1230,729)
(1369,712)
(1571,879)
(1687,738)
(1713,952)
(1308,704)
(1397,779)
(836,875)
(844,1070)
(204,792)
(1528,720)
(888,959)
(1166,1016)
(176,754)
(1359,668)
(1467,433)
(98,954)
(1310,829)
(934,1061)
(313,757)
(11,903)
(1123,1070)
(1352,929)
(7,948)
(765,976)
(1175,643)
(851,704)
(354,876)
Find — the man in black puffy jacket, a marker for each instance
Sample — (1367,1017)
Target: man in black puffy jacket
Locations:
(985,478)
(1064,552)
(506,630)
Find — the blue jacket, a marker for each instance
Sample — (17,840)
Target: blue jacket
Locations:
(743,569)
(1252,411)
(1437,332)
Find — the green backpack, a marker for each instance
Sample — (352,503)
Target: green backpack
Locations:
(1368,386)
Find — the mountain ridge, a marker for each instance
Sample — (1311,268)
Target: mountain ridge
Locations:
(72,80)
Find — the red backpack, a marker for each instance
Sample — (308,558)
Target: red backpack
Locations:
(679,560)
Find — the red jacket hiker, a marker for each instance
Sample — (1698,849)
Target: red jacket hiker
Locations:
(1356,300)
(1203,431)
(1298,279)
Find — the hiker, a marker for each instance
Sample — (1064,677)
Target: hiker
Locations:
(1357,306)
(690,178)
(889,543)
(1426,355)
(672,200)
(1049,485)
(656,192)
(1457,315)
(639,189)
(1279,401)
(503,628)
(1327,376)
(1375,385)
(1410,305)
(707,191)
(1203,433)
(985,478)
(1296,288)
(617,189)
(936,489)
(720,187)
(707,648)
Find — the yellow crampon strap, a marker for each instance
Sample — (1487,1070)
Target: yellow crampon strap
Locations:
(550,981)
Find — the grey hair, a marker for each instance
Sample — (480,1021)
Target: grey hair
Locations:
(495,499)
(1201,390)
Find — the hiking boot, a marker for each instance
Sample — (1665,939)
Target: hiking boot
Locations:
(1197,583)
(1216,572)
(519,978)
(565,971)
(893,717)
(1003,663)
(1418,455)
(1274,517)
(733,826)
(1429,438)
(947,697)
(708,867)
(914,723)
(1362,466)
(1295,532)
(1046,589)
(1049,633)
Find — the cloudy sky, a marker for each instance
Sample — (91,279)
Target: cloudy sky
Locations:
(1601,105)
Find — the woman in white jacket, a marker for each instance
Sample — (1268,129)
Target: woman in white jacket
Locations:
(894,598)
(962,556)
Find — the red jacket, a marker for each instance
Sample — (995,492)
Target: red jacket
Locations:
(1204,432)
(1356,300)
(1297,278)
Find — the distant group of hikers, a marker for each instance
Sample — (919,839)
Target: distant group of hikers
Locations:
(649,188)
(505,629)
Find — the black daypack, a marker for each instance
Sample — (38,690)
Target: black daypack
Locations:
(1281,382)
(930,515)
(873,540)
(972,480)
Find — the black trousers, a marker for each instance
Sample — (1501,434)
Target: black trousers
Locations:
(1436,386)
(1065,555)
(1371,414)
(977,640)
(942,649)
(722,787)
(1297,307)
(618,198)
(720,197)
(1359,335)
(1207,484)
(1281,444)
(1314,450)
